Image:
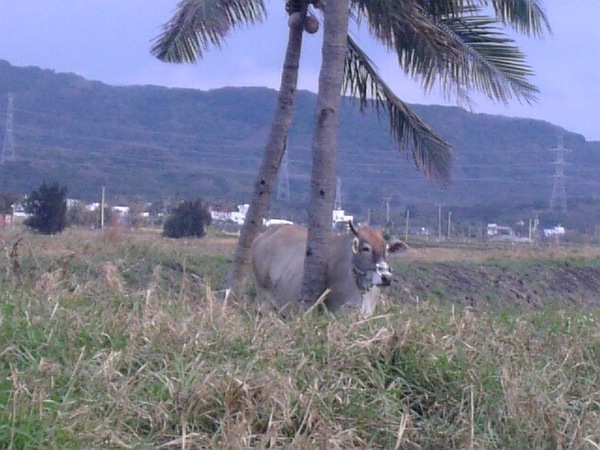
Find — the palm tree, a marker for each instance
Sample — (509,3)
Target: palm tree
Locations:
(195,27)
(324,147)
(447,42)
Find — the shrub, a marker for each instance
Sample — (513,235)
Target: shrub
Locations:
(48,209)
(189,218)
(6,202)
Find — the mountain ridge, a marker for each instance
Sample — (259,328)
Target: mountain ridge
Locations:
(153,142)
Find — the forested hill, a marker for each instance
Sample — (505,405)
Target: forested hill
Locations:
(152,142)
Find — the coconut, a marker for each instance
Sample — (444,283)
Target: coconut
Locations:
(311,24)
(295,20)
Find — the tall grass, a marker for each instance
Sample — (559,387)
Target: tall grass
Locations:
(122,342)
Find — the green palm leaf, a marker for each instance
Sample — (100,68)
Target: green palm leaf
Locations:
(431,153)
(447,42)
(199,24)
(488,62)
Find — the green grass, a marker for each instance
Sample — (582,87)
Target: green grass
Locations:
(125,345)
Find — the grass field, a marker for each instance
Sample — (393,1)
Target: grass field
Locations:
(120,340)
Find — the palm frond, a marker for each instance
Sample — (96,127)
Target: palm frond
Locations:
(199,24)
(525,16)
(384,17)
(488,60)
(431,153)
(453,47)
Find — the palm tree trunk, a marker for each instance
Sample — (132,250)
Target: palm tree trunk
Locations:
(265,181)
(324,149)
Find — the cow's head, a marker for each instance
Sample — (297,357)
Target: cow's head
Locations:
(369,252)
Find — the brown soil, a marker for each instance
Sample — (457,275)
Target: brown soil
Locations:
(499,278)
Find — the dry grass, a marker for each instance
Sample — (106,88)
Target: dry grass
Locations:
(114,343)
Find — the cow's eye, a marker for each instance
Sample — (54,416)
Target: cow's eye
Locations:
(365,248)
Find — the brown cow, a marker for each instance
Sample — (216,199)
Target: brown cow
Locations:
(356,269)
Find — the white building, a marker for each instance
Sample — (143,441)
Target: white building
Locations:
(557,231)
(220,216)
(271,222)
(121,210)
(494,229)
(73,203)
(339,215)
(238,216)
(19,210)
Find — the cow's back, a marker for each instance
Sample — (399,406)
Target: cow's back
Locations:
(278,265)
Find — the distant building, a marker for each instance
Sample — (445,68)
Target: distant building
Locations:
(238,216)
(340,216)
(494,229)
(19,210)
(121,210)
(73,203)
(499,233)
(271,222)
(220,216)
(557,231)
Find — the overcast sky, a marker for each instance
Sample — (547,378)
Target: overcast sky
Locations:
(109,41)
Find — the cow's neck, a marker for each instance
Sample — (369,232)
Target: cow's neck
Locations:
(370,299)
(361,279)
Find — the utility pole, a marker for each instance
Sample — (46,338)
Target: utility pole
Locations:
(102,210)
(387,210)
(439,205)
(535,223)
(8,148)
(449,222)
(406,227)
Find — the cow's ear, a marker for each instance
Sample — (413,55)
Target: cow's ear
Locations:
(355,245)
(397,247)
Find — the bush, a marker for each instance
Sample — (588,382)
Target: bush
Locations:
(78,215)
(6,202)
(189,218)
(48,209)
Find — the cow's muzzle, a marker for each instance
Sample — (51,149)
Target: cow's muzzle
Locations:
(384,274)
(380,276)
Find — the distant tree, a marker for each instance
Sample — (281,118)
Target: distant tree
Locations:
(189,218)
(6,202)
(111,218)
(48,208)
(79,215)
(137,217)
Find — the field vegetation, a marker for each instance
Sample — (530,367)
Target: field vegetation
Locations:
(120,339)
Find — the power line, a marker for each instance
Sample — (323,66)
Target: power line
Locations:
(337,204)
(558,199)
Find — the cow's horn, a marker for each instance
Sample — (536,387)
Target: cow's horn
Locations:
(352,228)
